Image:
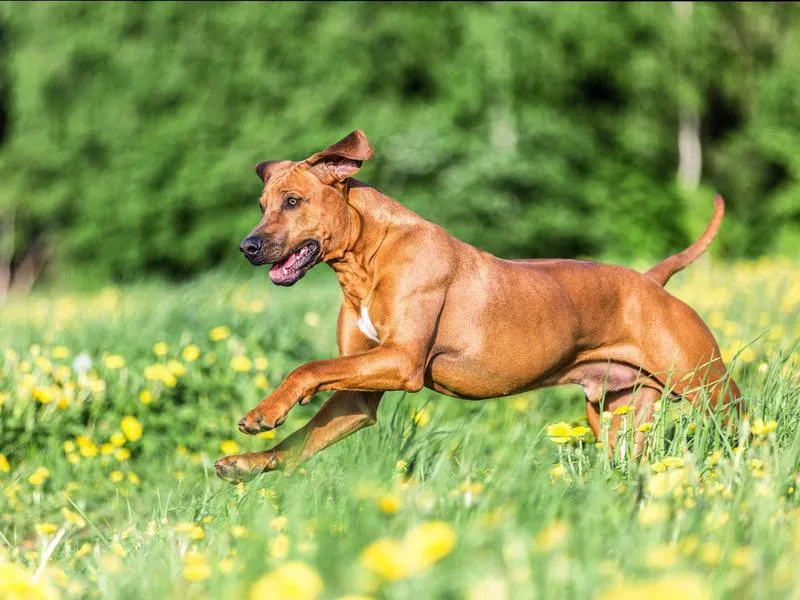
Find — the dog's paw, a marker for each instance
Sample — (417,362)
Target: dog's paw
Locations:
(240,468)
(256,421)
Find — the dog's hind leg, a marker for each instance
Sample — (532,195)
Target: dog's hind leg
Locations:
(344,413)
(640,401)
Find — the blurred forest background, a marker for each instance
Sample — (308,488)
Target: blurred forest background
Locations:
(129,131)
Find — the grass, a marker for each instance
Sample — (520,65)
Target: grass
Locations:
(108,486)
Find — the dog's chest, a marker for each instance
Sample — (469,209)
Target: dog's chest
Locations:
(365,325)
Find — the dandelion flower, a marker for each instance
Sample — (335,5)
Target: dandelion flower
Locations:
(114,362)
(229,447)
(240,364)
(196,567)
(39,476)
(160,349)
(560,433)
(292,581)
(217,334)
(145,397)
(116,476)
(389,504)
(190,353)
(279,547)
(131,427)
(5,467)
(46,528)
(261,363)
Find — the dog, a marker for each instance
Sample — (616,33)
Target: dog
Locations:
(422,308)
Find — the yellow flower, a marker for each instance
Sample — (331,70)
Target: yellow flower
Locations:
(39,476)
(218,334)
(292,581)
(134,478)
(117,439)
(266,435)
(743,557)
(261,363)
(73,518)
(662,556)
(421,417)
(559,432)
(430,542)
(710,554)
(579,432)
(762,428)
(46,528)
(114,362)
(279,523)
(229,447)
(226,566)
(650,514)
(551,537)
(122,454)
(131,427)
(60,352)
(5,467)
(196,567)
(192,530)
(145,397)
(747,355)
(401,466)
(670,587)
(645,427)
(116,476)
(190,353)
(389,504)
(623,410)
(240,364)
(279,547)
(85,549)
(18,584)
(160,349)
(238,531)
(387,558)
(261,381)
(106,449)
(119,550)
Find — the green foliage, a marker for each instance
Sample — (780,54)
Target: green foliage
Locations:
(529,130)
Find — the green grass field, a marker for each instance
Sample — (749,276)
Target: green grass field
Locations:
(114,406)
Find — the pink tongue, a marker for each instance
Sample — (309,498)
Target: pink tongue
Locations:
(276,271)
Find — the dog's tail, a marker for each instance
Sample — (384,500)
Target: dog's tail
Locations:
(669,266)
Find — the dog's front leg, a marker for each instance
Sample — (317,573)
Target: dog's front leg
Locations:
(346,412)
(385,368)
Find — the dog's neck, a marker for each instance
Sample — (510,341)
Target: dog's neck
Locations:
(371,217)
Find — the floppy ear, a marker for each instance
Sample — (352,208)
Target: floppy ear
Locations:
(343,159)
(266,168)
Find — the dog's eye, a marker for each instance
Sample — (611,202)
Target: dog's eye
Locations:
(290,202)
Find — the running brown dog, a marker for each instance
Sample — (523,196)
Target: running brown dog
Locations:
(422,308)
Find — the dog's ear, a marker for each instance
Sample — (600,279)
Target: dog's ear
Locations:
(266,168)
(343,159)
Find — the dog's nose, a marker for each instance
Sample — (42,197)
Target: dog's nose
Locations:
(251,246)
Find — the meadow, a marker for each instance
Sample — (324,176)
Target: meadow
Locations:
(114,406)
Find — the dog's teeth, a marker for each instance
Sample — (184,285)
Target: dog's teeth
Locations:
(285,271)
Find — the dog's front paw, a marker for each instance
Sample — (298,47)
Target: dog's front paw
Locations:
(240,468)
(257,421)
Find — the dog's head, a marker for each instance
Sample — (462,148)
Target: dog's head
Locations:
(304,209)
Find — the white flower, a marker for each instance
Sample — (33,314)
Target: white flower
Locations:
(82,363)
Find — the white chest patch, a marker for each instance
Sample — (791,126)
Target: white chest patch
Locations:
(367,328)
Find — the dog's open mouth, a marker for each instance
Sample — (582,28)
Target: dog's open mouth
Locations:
(290,269)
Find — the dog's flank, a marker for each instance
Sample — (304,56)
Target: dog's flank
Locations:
(421,308)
